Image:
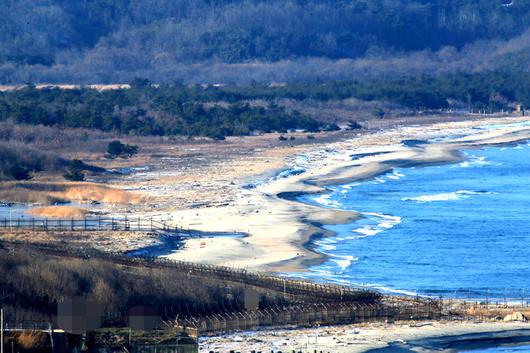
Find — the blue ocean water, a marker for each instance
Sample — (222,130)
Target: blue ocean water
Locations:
(516,349)
(459,230)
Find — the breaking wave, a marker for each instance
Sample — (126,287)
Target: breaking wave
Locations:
(449,196)
(343,262)
(287,173)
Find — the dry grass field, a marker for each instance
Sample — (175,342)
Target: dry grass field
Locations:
(61,212)
(49,193)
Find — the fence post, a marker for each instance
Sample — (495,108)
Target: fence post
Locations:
(46,224)
(2,330)
(139,228)
(33,224)
(72,224)
(85,223)
(50,332)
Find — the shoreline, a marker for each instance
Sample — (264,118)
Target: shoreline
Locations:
(518,337)
(281,229)
(450,155)
(436,336)
(455,155)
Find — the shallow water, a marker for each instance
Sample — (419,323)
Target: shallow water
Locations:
(13,211)
(17,211)
(454,230)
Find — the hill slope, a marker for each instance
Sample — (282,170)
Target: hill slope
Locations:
(55,40)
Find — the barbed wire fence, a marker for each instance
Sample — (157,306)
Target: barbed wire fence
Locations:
(310,303)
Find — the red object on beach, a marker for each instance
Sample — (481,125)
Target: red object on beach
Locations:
(203,244)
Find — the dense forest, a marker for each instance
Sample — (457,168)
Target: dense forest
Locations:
(145,110)
(490,91)
(191,110)
(102,41)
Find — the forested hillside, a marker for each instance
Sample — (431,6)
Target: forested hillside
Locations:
(108,40)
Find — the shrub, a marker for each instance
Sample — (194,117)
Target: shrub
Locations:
(32,340)
(117,149)
(353,125)
(19,162)
(75,171)
(19,172)
(332,127)
(379,113)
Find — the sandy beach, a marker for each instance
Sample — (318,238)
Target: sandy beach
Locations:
(278,228)
(377,337)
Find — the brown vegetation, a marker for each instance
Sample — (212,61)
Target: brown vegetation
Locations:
(104,240)
(51,193)
(84,192)
(32,283)
(46,138)
(33,279)
(32,340)
(59,212)
(494,310)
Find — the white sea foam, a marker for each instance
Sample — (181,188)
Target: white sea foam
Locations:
(474,161)
(449,196)
(379,181)
(388,224)
(368,231)
(504,126)
(382,222)
(396,175)
(328,247)
(287,173)
(350,186)
(396,219)
(325,200)
(344,261)
(389,290)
